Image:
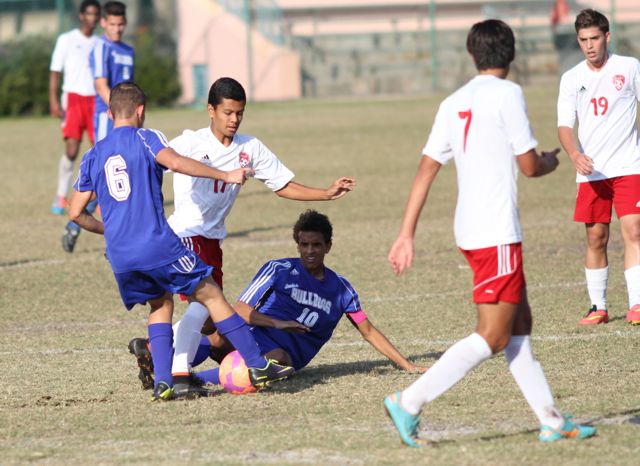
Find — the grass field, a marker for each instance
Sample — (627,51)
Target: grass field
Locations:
(70,394)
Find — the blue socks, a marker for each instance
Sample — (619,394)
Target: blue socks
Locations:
(211,376)
(161,342)
(203,352)
(237,332)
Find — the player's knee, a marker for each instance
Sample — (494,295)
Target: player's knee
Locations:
(498,342)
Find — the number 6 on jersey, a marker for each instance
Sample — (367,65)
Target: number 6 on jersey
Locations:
(115,169)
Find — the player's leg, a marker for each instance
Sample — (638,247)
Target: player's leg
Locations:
(72,128)
(235,329)
(161,343)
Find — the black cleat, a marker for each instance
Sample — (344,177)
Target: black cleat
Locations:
(69,238)
(162,392)
(272,372)
(140,349)
(190,387)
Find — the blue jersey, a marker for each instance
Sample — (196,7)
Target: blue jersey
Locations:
(111,60)
(123,172)
(283,289)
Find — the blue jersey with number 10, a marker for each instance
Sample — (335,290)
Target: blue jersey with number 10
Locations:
(285,290)
(127,180)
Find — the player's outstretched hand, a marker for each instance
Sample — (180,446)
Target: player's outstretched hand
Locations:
(416,369)
(340,187)
(290,326)
(238,176)
(401,254)
(583,163)
(550,159)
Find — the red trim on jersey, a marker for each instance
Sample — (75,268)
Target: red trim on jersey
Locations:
(209,251)
(498,274)
(357,317)
(595,199)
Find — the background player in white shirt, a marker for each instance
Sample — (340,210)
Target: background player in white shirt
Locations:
(71,56)
(201,205)
(485,128)
(602,92)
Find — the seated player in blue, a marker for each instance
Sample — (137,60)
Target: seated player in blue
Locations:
(124,171)
(297,289)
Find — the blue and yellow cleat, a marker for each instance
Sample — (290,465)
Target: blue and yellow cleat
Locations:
(568,430)
(406,424)
(162,392)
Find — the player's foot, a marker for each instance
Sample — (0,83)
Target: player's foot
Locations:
(568,430)
(633,316)
(188,387)
(272,372)
(139,347)
(595,316)
(69,238)
(59,204)
(406,424)
(162,392)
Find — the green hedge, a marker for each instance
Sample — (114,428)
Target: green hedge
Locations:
(24,74)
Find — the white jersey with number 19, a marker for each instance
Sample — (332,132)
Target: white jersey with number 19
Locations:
(483,126)
(605,102)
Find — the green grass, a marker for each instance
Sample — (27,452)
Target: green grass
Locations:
(70,394)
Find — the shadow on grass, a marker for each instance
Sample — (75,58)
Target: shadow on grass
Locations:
(324,374)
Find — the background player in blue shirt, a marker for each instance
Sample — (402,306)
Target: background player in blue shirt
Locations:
(304,290)
(124,171)
(111,63)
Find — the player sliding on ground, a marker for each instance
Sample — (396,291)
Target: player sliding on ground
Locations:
(484,127)
(149,262)
(300,289)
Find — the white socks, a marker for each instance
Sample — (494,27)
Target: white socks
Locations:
(632,276)
(65,172)
(187,334)
(452,366)
(529,376)
(597,286)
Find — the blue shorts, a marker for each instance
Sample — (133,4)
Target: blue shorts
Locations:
(266,338)
(180,277)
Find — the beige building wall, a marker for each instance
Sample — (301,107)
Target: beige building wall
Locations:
(212,38)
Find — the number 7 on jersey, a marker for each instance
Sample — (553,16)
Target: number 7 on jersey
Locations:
(466,115)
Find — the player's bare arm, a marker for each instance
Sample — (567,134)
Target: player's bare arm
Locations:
(102,88)
(255,318)
(54,103)
(533,165)
(381,343)
(299,192)
(78,214)
(401,254)
(582,162)
(175,162)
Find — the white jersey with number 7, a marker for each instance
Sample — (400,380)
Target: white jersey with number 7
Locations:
(605,103)
(484,126)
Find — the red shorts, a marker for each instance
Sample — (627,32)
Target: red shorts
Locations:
(497,273)
(209,251)
(595,198)
(78,116)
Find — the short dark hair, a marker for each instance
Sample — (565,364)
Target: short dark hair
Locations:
(590,18)
(114,9)
(492,44)
(312,220)
(87,3)
(226,88)
(125,98)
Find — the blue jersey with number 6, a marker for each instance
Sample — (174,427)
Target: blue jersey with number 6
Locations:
(283,289)
(127,180)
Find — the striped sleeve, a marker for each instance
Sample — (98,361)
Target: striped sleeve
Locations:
(263,281)
(97,60)
(153,140)
(349,298)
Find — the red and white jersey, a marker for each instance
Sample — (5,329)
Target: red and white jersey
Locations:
(202,204)
(483,126)
(71,55)
(604,103)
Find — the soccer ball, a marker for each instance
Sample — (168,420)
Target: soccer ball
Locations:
(234,375)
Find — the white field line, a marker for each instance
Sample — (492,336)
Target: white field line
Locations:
(21,264)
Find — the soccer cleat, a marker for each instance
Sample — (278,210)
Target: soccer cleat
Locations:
(69,238)
(568,430)
(139,347)
(188,387)
(633,316)
(406,424)
(272,372)
(595,316)
(162,392)
(59,204)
